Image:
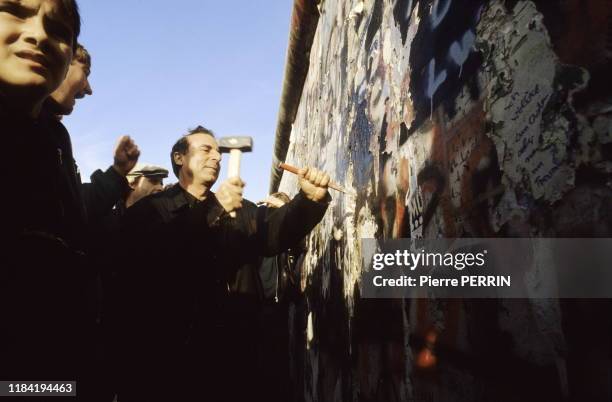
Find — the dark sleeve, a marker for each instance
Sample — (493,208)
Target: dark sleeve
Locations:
(104,191)
(282,228)
(294,221)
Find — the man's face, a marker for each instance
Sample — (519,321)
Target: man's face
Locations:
(75,86)
(35,47)
(145,186)
(202,161)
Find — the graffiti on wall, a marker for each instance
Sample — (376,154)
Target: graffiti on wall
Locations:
(443,56)
(448,118)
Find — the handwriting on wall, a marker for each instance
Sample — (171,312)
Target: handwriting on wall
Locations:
(535,150)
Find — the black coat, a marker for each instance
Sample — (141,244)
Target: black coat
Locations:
(45,283)
(104,191)
(180,254)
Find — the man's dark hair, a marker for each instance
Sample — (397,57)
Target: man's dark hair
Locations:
(182,145)
(71,9)
(82,56)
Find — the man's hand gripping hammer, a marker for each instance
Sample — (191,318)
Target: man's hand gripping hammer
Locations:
(235,146)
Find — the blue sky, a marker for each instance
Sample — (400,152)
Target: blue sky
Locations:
(162,67)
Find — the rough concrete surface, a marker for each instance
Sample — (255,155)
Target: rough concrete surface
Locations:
(454,118)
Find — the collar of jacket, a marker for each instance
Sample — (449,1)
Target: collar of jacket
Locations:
(179,198)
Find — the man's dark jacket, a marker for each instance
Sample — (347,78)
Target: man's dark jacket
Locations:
(179,255)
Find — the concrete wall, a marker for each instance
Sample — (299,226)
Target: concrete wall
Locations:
(454,118)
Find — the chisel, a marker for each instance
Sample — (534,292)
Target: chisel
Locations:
(331,184)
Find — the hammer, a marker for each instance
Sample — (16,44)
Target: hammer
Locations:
(235,146)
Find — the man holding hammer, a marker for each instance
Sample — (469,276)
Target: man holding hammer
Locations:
(176,342)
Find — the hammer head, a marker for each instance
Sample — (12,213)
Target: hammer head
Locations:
(244,144)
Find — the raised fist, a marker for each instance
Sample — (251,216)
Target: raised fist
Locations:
(125,156)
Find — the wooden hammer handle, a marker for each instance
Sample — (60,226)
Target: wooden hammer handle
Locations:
(234,168)
(295,170)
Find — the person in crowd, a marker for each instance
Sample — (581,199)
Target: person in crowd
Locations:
(75,85)
(42,277)
(108,187)
(181,245)
(143,180)
(280,279)
(45,279)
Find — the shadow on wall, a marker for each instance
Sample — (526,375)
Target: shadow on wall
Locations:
(455,119)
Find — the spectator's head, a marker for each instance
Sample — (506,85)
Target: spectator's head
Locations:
(276,200)
(75,86)
(196,158)
(37,41)
(144,180)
